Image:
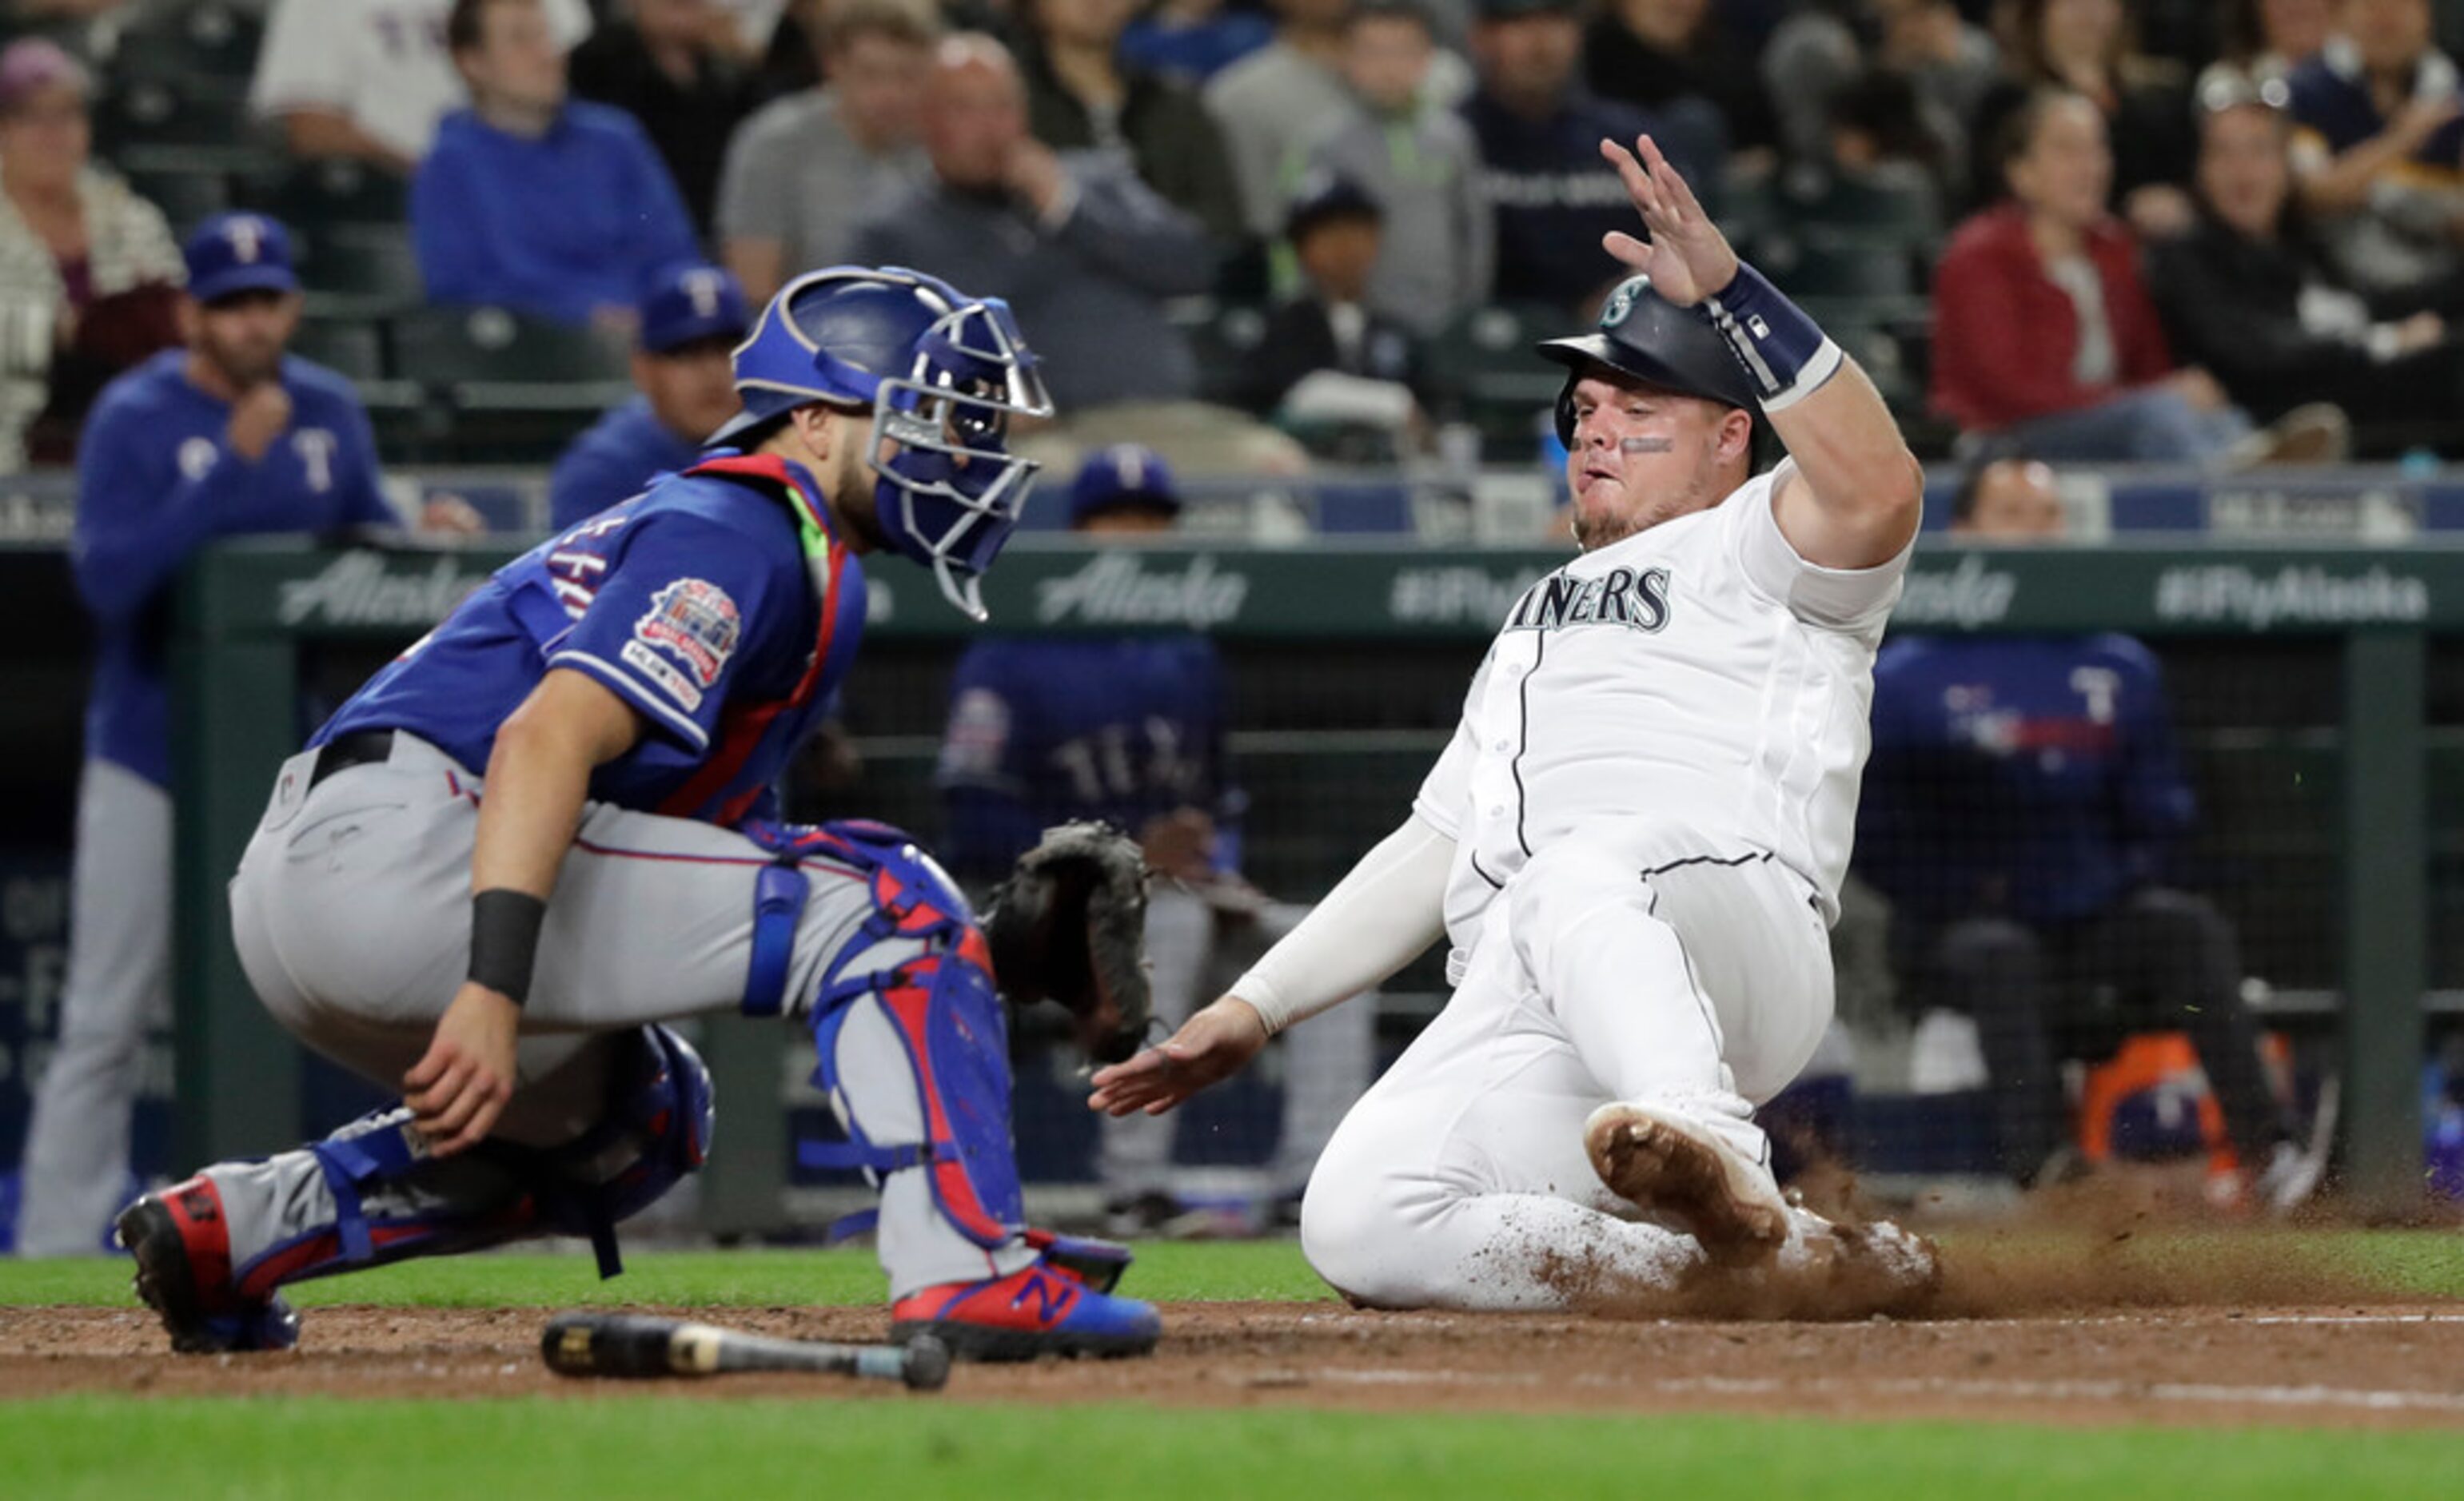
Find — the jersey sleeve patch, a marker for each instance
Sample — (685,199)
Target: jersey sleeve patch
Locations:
(695,621)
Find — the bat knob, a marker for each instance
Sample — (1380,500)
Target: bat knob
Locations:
(927,1368)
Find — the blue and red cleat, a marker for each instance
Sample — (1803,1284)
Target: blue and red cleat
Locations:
(1047,1307)
(184,1273)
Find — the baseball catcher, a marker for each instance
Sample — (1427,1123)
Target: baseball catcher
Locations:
(544,833)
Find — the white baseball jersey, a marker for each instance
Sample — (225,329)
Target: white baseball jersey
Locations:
(1697,675)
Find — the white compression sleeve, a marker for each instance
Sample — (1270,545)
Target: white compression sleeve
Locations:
(1375,921)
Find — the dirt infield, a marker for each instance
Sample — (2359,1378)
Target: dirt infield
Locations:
(2386,1366)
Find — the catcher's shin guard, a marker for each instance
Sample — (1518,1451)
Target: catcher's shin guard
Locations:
(921,959)
(210,1253)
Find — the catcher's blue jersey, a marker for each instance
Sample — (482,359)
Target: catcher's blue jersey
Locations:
(1041,731)
(694,602)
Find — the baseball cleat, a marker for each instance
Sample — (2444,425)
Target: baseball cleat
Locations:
(183,1250)
(1034,1311)
(1664,1163)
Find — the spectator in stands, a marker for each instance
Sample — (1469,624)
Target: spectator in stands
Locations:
(2021,804)
(1333,325)
(2264,40)
(533,201)
(1194,40)
(2250,294)
(225,437)
(801,172)
(1084,251)
(1421,164)
(367,80)
(2085,46)
(1675,58)
(2044,334)
(2382,143)
(667,68)
(1131,729)
(691,323)
(1953,64)
(89,273)
(1552,195)
(1083,95)
(1274,101)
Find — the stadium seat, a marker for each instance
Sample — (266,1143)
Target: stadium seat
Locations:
(1897,209)
(170,111)
(1484,361)
(508,388)
(1819,266)
(320,198)
(1222,336)
(186,198)
(194,39)
(361,278)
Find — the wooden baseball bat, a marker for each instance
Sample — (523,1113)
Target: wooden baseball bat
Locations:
(636,1345)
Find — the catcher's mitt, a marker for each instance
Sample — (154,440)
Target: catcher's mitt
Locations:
(1069,926)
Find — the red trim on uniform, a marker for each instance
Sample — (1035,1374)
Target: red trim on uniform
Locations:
(284,1266)
(741,728)
(908,1005)
(588,848)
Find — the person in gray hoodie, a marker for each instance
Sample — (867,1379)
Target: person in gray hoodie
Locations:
(1419,162)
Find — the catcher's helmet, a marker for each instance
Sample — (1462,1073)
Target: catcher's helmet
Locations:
(1643,335)
(942,372)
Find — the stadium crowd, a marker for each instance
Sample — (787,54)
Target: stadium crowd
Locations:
(2208,232)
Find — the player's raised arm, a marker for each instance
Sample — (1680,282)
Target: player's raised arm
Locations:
(1854,499)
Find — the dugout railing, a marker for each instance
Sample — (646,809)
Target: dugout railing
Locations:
(266,630)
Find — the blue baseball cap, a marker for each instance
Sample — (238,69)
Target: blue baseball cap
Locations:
(690,301)
(234,253)
(1124,474)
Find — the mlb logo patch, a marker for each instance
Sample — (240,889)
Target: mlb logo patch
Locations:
(695,621)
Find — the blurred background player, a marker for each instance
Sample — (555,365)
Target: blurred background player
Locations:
(2021,807)
(227,436)
(1130,729)
(691,322)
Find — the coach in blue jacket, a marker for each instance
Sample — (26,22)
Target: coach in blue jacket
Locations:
(2020,802)
(694,317)
(228,435)
(530,199)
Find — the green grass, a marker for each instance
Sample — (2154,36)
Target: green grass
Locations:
(623,1443)
(1217,1272)
(628,1446)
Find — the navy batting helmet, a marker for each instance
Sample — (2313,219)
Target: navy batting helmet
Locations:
(1643,335)
(943,373)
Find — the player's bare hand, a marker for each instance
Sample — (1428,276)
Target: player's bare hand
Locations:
(1687,258)
(446,515)
(257,418)
(458,1089)
(1180,845)
(1214,1044)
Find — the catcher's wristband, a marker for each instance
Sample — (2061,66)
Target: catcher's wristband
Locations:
(1785,354)
(504,939)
